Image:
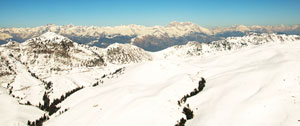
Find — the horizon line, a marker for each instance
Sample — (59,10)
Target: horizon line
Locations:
(209,27)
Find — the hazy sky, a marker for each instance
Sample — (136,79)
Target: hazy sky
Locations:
(208,13)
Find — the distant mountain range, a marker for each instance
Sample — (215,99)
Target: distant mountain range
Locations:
(153,38)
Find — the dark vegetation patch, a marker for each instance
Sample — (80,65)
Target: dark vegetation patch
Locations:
(189,114)
(51,108)
(114,74)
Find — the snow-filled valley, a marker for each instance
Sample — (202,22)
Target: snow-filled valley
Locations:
(250,81)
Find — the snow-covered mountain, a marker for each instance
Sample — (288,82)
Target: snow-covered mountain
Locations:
(152,38)
(125,53)
(228,44)
(40,59)
(51,52)
(249,80)
(172,29)
(59,53)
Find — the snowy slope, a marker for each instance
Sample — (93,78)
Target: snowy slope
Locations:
(259,85)
(251,80)
(13,114)
(229,44)
(255,86)
(20,81)
(146,94)
(27,68)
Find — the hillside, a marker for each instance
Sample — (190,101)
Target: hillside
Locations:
(252,86)
(249,80)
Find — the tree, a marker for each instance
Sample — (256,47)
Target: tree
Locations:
(188,113)
(181,122)
(49,85)
(46,102)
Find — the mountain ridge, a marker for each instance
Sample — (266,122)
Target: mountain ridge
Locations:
(230,43)
(154,38)
(57,75)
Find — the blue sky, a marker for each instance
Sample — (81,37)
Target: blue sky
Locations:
(207,13)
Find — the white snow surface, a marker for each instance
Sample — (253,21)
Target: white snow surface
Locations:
(254,82)
(13,114)
(258,86)
(51,36)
